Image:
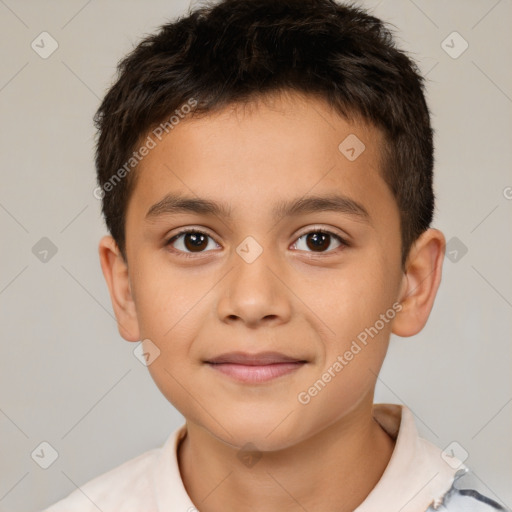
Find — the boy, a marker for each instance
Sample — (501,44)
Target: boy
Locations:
(265,169)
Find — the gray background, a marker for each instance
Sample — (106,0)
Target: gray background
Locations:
(69,379)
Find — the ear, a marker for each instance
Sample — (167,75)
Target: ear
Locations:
(420,283)
(116,275)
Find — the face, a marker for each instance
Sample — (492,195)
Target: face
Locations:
(292,254)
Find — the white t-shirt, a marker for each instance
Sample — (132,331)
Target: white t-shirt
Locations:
(418,478)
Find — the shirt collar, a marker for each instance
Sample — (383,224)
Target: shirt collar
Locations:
(415,478)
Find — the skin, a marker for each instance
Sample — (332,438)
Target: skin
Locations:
(309,304)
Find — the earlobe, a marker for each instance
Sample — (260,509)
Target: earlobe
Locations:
(115,271)
(420,283)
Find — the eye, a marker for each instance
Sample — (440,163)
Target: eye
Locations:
(191,241)
(319,240)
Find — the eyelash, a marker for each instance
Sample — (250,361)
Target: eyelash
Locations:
(343,242)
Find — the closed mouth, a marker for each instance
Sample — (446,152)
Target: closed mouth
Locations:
(255,368)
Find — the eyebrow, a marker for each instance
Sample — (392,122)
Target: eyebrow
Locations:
(173,204)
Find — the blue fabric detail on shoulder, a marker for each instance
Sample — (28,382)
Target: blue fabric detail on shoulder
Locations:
(463,496)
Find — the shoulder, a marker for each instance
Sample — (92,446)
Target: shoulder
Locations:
(124,488)
(466,495)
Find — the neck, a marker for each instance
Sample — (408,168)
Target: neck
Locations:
(333,470)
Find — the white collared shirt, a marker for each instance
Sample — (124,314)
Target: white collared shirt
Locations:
(418,478)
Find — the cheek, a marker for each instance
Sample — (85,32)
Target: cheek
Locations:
(355,299)
(163,300)
(359,312)
(171,307)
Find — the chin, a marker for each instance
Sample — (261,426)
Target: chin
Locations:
(268,433)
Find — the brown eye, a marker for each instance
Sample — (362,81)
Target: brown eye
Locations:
(195,242)
(192,242)
(318,241)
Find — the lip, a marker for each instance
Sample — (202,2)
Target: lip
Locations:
(255,368)
(259,359)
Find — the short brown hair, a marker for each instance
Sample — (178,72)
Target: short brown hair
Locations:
(236,50)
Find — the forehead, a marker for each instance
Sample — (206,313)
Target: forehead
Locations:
(255,156)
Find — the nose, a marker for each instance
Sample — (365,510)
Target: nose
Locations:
(254,294)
